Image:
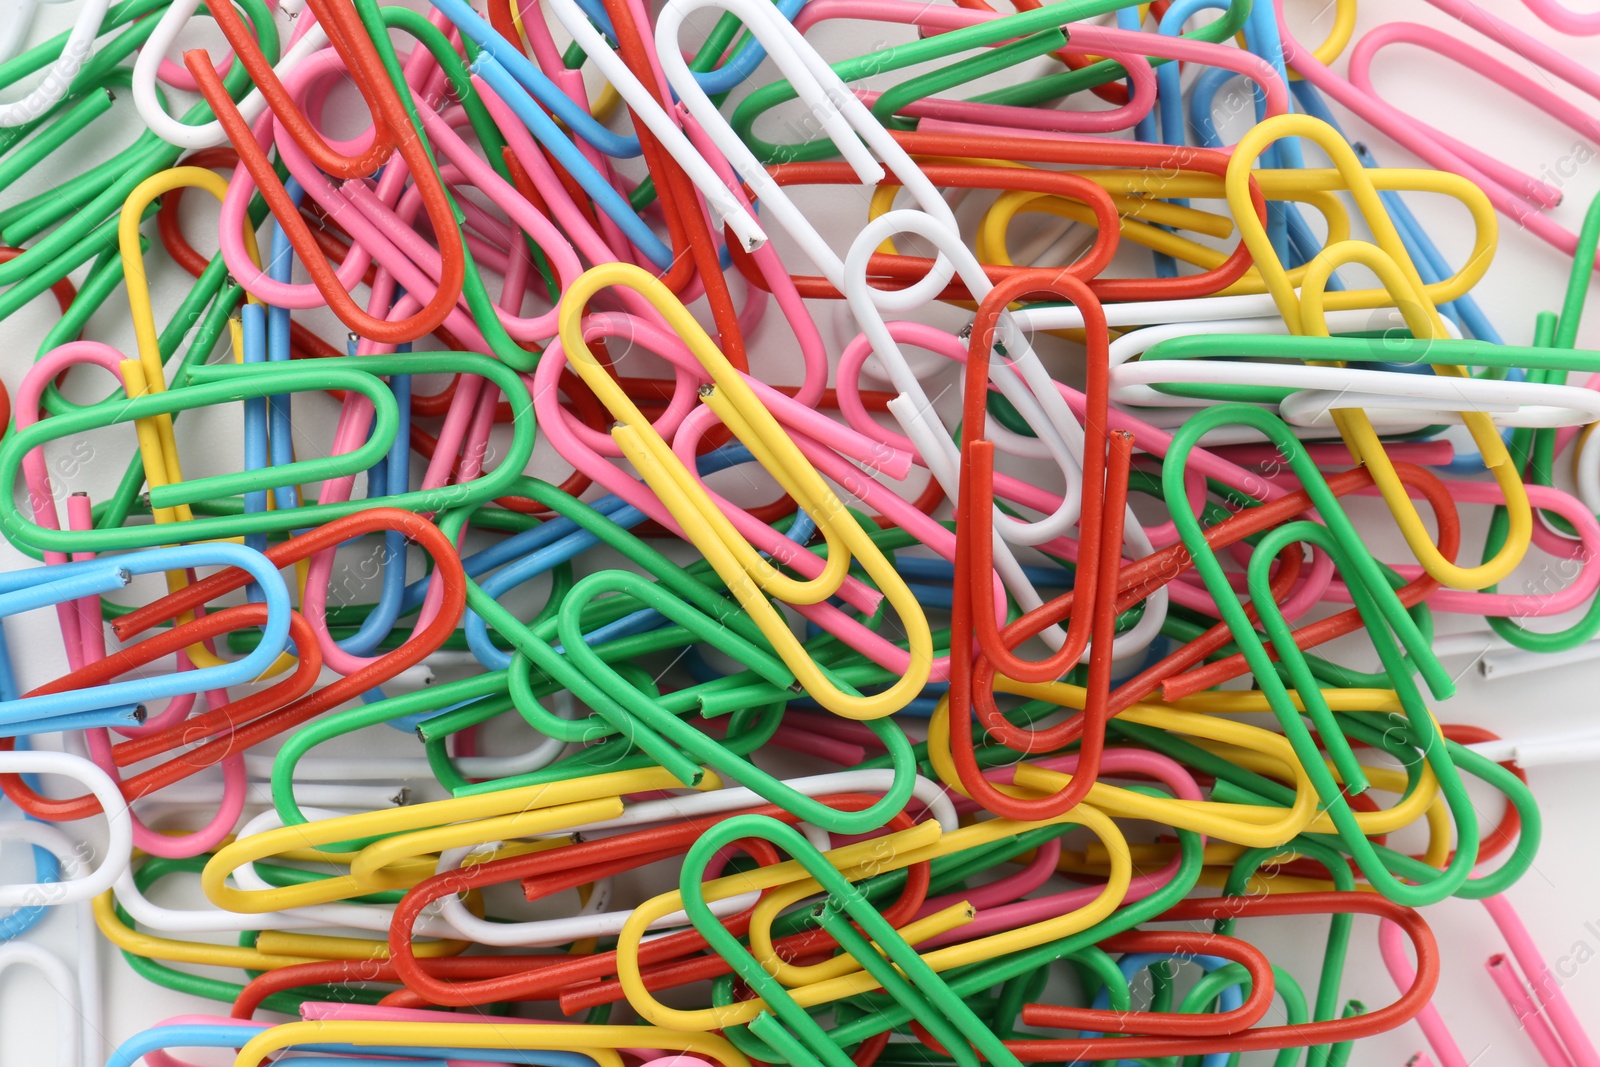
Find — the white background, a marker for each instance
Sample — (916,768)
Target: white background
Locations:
(1558,898)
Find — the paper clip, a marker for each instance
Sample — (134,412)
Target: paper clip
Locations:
(74,54)
(1519,197)
(75,579)
(79,884)
(740,567)
(1558,1035)
(1421,316)
(858,136)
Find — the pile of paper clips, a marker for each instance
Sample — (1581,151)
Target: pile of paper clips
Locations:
(882,622)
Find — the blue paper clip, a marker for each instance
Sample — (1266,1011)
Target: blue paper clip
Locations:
(545,130)
(42,586)
(537,84)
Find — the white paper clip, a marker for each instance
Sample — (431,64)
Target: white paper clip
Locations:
(847,121)
(148,63)
(58,79)
(724,205)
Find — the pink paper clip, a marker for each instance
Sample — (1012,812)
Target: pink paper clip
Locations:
(1539,1005)
(1520,197)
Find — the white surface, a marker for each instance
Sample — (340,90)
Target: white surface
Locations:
(1558,897)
